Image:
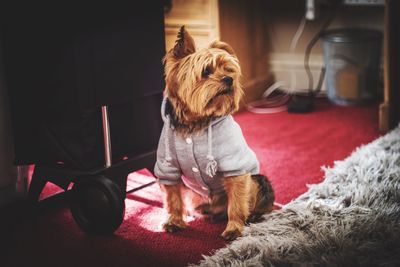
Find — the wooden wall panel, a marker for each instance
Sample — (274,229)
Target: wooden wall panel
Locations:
(244,27)
(200,18)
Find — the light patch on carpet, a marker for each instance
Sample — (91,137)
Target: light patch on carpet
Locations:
(145,205)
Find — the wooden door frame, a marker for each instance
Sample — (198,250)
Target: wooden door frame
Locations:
(389,110)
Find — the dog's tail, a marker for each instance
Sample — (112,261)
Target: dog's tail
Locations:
(266,194)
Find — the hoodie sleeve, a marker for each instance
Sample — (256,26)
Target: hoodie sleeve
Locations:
(167,172)
(235,157)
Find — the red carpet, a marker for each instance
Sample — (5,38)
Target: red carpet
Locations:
(290,147)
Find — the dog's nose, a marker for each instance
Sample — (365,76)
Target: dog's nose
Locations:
(228,80)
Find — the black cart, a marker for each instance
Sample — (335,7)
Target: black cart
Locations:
(85,88)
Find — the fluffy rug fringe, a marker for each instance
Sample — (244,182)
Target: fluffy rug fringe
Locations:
(352,218)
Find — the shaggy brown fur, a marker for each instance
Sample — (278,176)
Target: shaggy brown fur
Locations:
(197,82)
(201,86)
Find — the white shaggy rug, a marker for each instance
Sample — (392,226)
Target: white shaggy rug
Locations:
(351,219)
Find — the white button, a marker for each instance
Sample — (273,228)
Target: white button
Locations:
(188,140)
(194,169)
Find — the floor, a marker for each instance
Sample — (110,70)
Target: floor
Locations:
(291,148)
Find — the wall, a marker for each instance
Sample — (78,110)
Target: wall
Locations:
(261,32)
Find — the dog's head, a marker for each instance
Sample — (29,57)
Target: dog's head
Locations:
(202,84)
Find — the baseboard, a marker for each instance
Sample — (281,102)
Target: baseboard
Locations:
(284,64)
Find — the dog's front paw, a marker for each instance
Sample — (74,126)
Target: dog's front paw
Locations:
(174,225)
(230,235)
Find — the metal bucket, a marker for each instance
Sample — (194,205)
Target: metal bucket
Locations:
(352,60)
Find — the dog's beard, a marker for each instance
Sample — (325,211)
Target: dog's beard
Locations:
(224,94)
(206,102)
(208,97)
(211,106)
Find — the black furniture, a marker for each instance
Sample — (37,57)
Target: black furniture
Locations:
(76,75)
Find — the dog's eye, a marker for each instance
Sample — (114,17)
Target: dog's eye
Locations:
(206,72)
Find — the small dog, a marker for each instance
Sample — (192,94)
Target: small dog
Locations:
(201,146)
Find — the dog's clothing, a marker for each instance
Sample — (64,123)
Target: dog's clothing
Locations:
(203,159)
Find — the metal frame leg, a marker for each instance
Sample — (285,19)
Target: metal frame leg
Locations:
(107,138)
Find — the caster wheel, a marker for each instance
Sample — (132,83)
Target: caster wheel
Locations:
(97,205)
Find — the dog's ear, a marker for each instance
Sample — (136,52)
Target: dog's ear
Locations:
(223,46)
(184,45)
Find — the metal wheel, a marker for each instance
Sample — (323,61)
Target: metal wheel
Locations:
(97,205)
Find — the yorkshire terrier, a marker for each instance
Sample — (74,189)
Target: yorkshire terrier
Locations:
(201,146)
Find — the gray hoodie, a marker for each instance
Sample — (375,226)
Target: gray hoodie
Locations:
(203,159)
